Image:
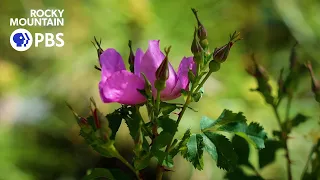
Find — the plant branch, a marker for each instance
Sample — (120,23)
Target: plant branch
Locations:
(305,169)
(124,161)
(203,81)
(285,137)
(288,108)
(143,123)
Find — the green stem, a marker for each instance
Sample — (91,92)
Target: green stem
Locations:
(285,139)
(275,110)
(188,100)
(203,81)
(305,169)
(288,108)
(143,123)
(158,103)
(159,172)
(124,161)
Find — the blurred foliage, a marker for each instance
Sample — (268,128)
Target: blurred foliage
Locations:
(39,138)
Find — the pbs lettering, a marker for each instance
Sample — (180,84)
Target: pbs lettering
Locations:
(48,39)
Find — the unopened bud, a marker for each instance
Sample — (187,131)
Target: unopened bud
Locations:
(196,48)
(257,70)
(162,72)
(214,66)
(221,54)
(202,32)
(82,122)
(131,57)
(293,59)
(315,84)
(147,86)
(97,46)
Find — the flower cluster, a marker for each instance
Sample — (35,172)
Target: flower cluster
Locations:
(120,85)
(151,81)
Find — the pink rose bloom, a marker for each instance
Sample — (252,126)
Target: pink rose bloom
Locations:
(119,85)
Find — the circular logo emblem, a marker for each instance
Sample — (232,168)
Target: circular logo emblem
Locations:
(21,39)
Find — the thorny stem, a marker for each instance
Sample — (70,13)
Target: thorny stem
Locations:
(285,138)
(124,161)
(160,169)
(143,123)
(117,155)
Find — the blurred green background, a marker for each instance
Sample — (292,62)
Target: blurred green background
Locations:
(38,134)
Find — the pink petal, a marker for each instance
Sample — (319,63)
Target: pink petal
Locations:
(185,65)
(111,61)
(183,82)
(122,87)
(137,61)
(150,63)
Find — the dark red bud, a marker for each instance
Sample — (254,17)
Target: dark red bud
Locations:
(131,57)
(315,84)
(97,45)
(221,54)
(202,32)
(196,48)
(257,70)
(96,118)
(293,59)
(162,72)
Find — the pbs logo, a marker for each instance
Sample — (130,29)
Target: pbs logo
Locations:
(21,39)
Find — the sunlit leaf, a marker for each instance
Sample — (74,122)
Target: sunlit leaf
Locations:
(195,151)
(227,158)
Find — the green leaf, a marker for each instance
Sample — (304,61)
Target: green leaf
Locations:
(227,158)
(296,121)
(161,141)
(210,147)
(267,155)
(110,174)
(195,151)
(235,123)
(160,155)
(167,108)
(167,124)
(133,121)
(168,161)
(142,161)
(225,118)
(115,120)
(242,149)
(182,146)
(255,135)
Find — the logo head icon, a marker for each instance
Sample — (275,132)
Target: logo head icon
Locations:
(21,39)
